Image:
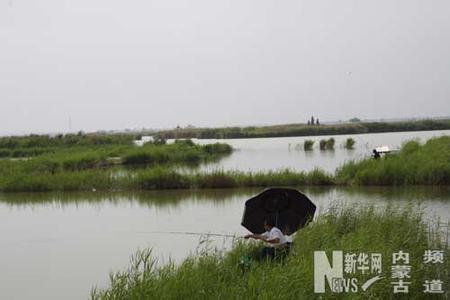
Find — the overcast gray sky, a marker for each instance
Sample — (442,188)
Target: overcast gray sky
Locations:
(109,64)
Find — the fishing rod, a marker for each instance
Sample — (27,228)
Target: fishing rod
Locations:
(187,233)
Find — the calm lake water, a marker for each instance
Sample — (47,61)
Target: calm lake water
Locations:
(58,246)
(276,153)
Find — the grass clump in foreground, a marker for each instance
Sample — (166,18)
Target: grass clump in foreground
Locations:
(414,164)
(216,275)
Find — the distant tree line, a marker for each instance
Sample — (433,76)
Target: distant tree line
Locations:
(303,129)
(313,122)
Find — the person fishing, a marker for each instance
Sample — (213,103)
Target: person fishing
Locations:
(273,237)
(376,154)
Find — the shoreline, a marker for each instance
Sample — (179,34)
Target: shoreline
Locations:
(302,130)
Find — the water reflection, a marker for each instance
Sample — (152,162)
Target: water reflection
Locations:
(173,198)
(150,199)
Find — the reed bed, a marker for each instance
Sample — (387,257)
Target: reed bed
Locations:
(215,274)
(157,178)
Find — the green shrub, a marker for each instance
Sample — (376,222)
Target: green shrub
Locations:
(308,145)
(144,156)
(323,144)
(5,153)
(217,148)
(330,144)
(349,143)
(327,144)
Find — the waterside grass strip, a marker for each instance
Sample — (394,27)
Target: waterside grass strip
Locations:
(214,274)
(415,164)
(158,178)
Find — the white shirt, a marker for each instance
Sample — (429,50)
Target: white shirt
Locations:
(273,234)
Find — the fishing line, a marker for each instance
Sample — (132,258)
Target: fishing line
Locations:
(187,233)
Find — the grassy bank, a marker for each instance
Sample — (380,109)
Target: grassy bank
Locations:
(415,164)
(89,157)
(93,149)
(156,179)
(35,145)
(179,152)
(427,164)
(216,275)
(303,129)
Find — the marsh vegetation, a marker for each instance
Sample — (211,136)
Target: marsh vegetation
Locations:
(415,163)
(100,168)
(214,274)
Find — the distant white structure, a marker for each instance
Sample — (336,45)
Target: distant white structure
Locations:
(143,140)
(383,149)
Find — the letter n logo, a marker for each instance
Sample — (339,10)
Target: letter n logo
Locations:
(323,269)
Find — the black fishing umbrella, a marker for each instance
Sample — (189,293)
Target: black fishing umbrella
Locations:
(289,208)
